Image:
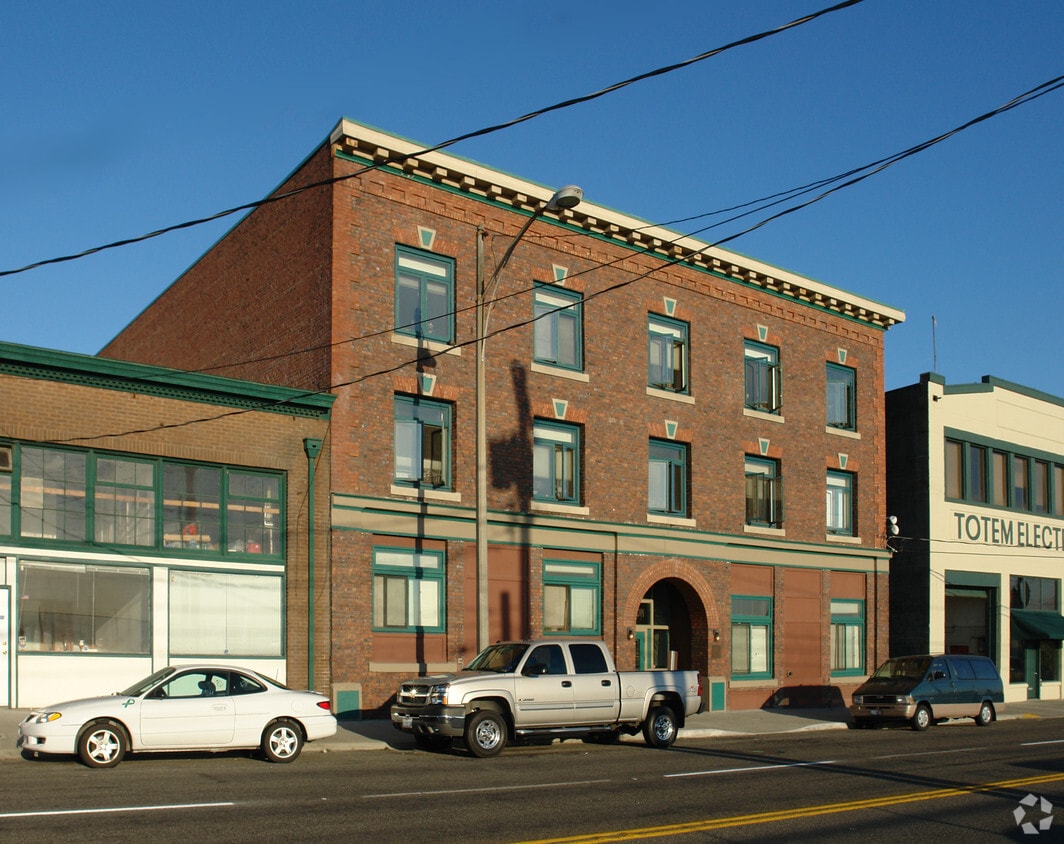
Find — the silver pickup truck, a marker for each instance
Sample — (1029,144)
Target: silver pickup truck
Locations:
(554,687)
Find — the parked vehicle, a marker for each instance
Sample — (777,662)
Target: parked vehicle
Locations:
(188,707)
(930,688)
(555,687)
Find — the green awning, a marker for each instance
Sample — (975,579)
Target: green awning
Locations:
(1035,624)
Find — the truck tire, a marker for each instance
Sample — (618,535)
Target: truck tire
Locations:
(922,719)
(986,714)
(659,729)
(485,733)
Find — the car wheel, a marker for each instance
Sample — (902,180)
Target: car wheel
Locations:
(659,730)
(282,741)
(922,719)
(432,742)
(102,745)
(485,733)
(986,714)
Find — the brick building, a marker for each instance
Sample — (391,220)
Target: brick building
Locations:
(150,517)
(646,399)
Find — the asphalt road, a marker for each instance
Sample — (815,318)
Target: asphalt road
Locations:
(953,783)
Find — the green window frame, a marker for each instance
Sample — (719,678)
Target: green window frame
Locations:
(422,443)
(6,472)
(763,377)
(226,614)
(668,354)
(847,637)
(124,511)
(667,478)
(555,462)
(839,518)
(409,591)
(558,320)
(984,471)
(841,397)
(424,295)
(751,637)
(764,492)
(572,598)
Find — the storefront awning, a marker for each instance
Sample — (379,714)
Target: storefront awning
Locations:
(1035,624)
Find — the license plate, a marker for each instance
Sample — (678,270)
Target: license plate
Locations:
(408,722)
(873,712)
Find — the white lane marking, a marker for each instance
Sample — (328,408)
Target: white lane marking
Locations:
(929,753)
(1036,743)
(759,768)
(481,790)
(51,812)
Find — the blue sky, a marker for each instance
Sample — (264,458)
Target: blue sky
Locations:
(123,117)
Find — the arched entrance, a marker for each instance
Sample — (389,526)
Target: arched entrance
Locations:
(663,628)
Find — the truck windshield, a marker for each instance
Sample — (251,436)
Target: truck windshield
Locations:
(499,658)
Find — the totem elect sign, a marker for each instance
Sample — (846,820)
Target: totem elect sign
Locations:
(1015,533)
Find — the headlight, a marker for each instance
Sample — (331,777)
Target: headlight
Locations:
(47,717)
(438,694)
(858,700)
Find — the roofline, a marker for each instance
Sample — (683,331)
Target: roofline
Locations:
(107,373)
(488,184)
(986,384)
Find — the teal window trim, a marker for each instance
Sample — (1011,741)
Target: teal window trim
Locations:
(848,637)
(7,488)
(581,585)
(422,443)
(556,462)
(558,327)
(762,377)
(840,503)
(409,585)
(424,295)
(841,397)
(35,511)
(667,478)
(743,618)
(996,475)
(764,492)
(668,354)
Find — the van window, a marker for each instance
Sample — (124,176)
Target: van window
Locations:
(938,666)
(963,669)
(985,669)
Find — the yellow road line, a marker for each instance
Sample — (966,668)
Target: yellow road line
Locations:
(789,814)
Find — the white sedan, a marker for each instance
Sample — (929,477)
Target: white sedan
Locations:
(182,707)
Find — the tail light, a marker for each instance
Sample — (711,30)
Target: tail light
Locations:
(324,704)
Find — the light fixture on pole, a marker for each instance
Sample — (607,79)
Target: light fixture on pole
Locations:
(563,199)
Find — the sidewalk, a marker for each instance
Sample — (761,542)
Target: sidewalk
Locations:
(380,735)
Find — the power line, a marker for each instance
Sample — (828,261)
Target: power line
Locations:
(396,157)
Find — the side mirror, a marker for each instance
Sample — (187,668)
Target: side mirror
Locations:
(535,669)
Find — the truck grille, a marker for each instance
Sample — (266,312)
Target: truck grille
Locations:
(414,693)
(875,700)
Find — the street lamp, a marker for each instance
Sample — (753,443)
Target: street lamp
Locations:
(564,198)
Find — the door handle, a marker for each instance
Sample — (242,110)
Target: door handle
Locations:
(567,684)
(607,683)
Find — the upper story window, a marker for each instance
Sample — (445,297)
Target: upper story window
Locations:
(6,465)
(668,354)
(764,492)
(986,473)
(422,442)
(667,485)
(572,592)
(558,327)
(408,590)
(763,384)
(840,503)
(52,495)
(424,295)
(556,462)
(125,501)
(842,397)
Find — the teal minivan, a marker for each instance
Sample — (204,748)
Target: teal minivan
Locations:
(930,688)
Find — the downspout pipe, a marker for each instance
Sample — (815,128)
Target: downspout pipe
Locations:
(312,448)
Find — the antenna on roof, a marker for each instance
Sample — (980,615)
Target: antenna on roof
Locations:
(934,345)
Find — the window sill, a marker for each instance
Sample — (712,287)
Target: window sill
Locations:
(762,414)
(675,521)
(842,432)
(848,540)
(413,668)
(564,509)
(670,395)
(426,494)
(430,345)
(764,530)
(756,683)
(560,372)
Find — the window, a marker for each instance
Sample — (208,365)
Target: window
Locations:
(840,503)
(977,486)
(1034,593)
(424,295)
(751,636)
(5,490)
(556,462)
(588,659)
(558,332)
(125,501)
(668,354)
(220,614)
(954,469)
(408,591)
(83,608)
(571,596)
(999,478)
(253,513)
(847,637)
(1020,489)
(842,397)
(667,486)
(422,443)
(192,516)
(764,492)
(53,490)
(1040,486)
(1058,490)
(764,388)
